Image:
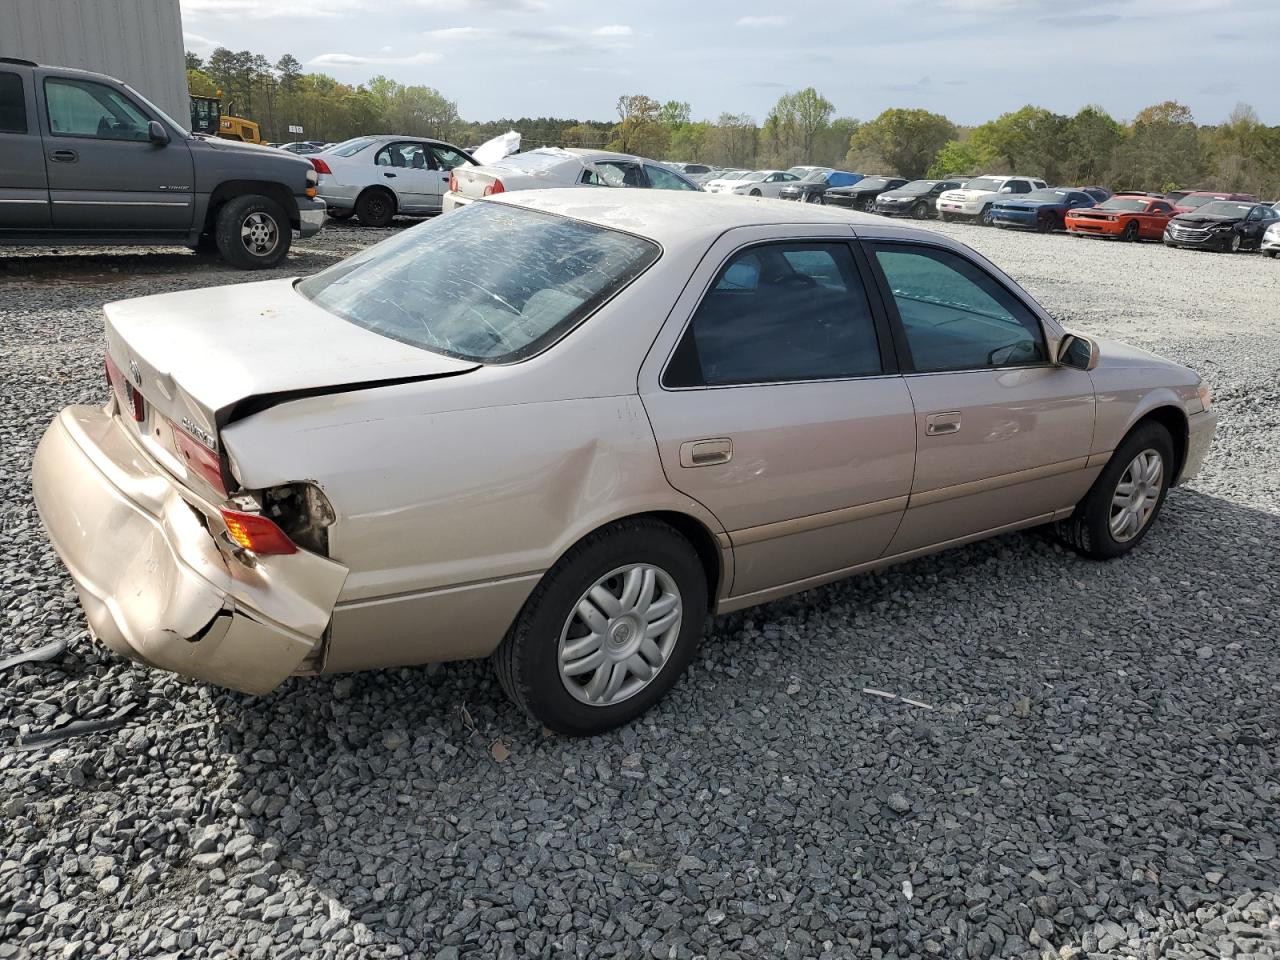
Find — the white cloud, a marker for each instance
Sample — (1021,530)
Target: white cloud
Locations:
(201,45)
(357,60)
(269,9)
(766,21)
(613,30)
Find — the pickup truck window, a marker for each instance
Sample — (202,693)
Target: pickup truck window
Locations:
(81,108)
(13,104)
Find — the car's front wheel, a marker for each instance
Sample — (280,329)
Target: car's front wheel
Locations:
(608,631)
(987,217)
(920,210)
(1125,500)
(1232,245)
(252,232)
(1130,234)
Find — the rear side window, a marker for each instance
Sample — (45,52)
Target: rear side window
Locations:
(776,313)
(954,314)
(13,104)
(447,158)
(661,179)
(82,108)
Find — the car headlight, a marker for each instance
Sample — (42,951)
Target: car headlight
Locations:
(1221,227)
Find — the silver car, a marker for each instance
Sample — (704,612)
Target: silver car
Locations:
(560,427)
(377,178)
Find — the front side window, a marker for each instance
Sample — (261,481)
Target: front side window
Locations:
(13,104)
(491,283)
(661,179)
(613,173)
(447,158)
(955,315)
(777,313)
(82,108)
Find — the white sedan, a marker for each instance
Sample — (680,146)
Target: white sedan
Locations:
(376,178)
(560,167)
(758,183)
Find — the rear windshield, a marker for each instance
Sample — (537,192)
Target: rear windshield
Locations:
(1125,203)
(1192,200)
(490,282)
(349,148)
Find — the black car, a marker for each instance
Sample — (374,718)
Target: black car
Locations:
(917,199)
(1228,225)
(813,186)
(862,195)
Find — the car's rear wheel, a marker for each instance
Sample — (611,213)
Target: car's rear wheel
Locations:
(252,232)
(376,208)
(608,631)
(1130,234)
(1125,500)
(919,210)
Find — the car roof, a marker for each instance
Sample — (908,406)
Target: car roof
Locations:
(668,216)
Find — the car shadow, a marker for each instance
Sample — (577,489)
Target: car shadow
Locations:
(1087,755)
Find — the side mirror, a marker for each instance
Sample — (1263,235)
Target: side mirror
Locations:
(1006,189)
(157,134)
(1078,351)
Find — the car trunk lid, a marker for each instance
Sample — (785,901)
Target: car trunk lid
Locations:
(184,365)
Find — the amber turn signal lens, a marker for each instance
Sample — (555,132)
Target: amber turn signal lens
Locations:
(257,534)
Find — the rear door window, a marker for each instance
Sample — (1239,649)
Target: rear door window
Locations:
(83,108)
(780,312)
(661,179)
(447,158)
(13,104)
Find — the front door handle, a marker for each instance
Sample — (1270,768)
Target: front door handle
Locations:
(706,453)
(939,424)
(64,156)
(390,176)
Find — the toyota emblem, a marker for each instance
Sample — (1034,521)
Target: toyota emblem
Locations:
(135,373)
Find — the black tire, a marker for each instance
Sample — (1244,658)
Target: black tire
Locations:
(1130,233)
(945,217)
(987,217)
(376,208)
(919,210)
(1232,244)
(1269,253)
(252,232)
(1088,529)
(755,193)
(341,214)
(527,661)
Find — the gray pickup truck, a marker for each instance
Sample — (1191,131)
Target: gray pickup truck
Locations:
(85,159)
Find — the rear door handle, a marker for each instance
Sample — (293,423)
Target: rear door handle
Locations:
(706,453)
(64,156)
(938,424)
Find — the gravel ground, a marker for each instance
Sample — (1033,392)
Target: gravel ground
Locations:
(1095,770)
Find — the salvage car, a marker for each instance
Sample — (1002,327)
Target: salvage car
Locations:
(757,183)
(861,195)
(1193,201)
(1271,239)
(975,199)
(559,167)
(558,428)
(917,199)
(86,159)
(1224,225)
(378,178)
(1128,217)
(1041,210)
(813,186)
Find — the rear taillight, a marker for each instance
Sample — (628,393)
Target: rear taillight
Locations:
(199,459)
(129,395)
(495,187)
(321,166)
(256,533)
(453,181)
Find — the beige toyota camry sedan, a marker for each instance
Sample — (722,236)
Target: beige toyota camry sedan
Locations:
(559,428)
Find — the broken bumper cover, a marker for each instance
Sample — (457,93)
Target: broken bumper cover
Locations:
(156,583)
(311,214)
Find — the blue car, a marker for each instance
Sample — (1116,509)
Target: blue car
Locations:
(815,184)
(1042,210)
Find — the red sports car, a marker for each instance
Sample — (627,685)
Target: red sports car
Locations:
(1127,217)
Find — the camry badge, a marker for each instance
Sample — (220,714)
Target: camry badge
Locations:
(201,434)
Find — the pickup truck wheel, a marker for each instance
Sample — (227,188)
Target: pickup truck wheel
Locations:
(608,631)
(376,208)
(1126,498)
(252,232)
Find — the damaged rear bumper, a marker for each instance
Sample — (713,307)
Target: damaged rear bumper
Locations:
(157,582)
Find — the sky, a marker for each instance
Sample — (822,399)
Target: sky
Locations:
(968,59)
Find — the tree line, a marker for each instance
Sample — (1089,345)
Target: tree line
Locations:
(1161,148)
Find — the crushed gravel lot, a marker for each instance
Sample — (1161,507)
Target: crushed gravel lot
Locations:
(1095,770)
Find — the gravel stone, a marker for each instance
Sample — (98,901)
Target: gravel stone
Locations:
(1097,777)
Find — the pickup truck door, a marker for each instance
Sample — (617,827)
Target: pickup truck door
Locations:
(105,174)
(24,189)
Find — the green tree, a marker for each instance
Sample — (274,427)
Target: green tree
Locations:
(193,61)
(641,131)
(1029,141)
(905,141)
(1089,142)
(961,158)
(1162,151)
(794,124)
(733,141)
(288,69)
(674,113)
(690,141)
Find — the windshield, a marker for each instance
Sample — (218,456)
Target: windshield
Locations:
(871,183)
(989,184)
(490,282)
(816,176)
(755,176)
(349,148)
(534,161)
(1130,204)
(916,187)
(1225,208)
(1191,201)
(1046,196)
